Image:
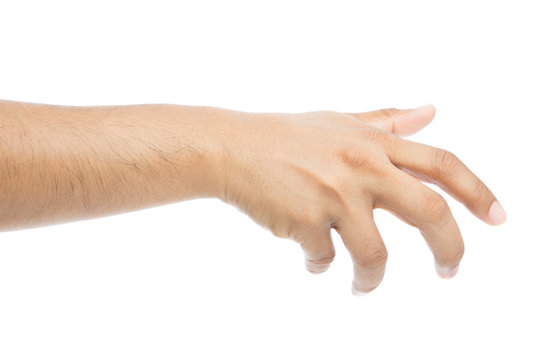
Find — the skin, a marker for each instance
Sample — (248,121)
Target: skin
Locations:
(299,175)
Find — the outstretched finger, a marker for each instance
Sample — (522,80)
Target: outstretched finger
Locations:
(450,174)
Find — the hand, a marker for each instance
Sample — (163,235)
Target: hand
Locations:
(302,174)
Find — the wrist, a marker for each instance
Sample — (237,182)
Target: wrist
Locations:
(207,135)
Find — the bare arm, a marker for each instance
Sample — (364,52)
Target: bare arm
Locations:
(66,163)
(298,175)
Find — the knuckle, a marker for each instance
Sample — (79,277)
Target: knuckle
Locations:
(481,194)
(375,134)
(282,231)
(353,156)
(282,227)
(373,259)
(322,260)
(444,162)
(378,136)
(337,187)
(435,206)
(310,218)
(453,257)
(388,112)
(358,158)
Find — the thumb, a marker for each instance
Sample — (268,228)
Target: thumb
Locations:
(397,121)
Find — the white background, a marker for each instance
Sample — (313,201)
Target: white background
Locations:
(199,280)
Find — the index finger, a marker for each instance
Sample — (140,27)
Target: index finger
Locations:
(447,171)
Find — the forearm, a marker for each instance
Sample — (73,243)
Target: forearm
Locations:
(66,163)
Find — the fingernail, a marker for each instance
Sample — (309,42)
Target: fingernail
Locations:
(447,273)
(429,107)
(316,269)
(497,215)
(358,292)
